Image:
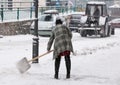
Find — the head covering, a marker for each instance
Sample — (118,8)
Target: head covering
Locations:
(58,21)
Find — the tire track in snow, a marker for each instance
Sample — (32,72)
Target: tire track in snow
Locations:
(89,51)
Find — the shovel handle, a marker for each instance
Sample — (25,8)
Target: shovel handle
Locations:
(40,56)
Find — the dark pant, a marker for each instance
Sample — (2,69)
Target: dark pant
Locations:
(67,62)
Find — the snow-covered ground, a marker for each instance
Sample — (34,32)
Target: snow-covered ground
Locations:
(97,61)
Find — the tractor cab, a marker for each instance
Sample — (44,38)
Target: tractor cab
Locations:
(94,10)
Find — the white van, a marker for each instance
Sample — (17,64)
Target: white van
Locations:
(46,22)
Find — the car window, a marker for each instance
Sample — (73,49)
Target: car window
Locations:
(46,18)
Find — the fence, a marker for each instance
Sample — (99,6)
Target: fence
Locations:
(60,9)
(16,10)
(19,11)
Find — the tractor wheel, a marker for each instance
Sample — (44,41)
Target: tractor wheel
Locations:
(112,31)
(83,33)
(109,31)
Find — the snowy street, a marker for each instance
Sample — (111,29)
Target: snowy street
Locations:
(96,61)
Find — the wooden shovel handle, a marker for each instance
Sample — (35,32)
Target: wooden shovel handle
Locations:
(40,56)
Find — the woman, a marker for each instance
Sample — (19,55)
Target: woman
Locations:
(61,36)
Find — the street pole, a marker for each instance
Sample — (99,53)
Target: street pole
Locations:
(36,39)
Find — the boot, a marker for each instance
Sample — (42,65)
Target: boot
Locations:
(68,66)
(68,76)
(56,76)
(57,65)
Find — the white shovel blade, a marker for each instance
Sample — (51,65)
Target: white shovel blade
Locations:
(23,65)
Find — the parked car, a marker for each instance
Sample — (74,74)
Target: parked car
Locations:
(114,11)
(46,22)
(114,23)
(74,23)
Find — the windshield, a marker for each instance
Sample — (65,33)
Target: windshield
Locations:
(92,9)
(46,18)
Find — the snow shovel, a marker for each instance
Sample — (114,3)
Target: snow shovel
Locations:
(23,65)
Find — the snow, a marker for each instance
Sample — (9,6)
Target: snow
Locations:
(115,6)
(96,61)
(51,11)
(117,20)
(14,20)
(96,2)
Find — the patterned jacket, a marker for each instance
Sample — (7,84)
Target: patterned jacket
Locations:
(61,36)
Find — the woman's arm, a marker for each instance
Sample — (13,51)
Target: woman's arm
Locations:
(51,39)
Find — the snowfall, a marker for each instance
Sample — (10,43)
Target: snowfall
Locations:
(96,61)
